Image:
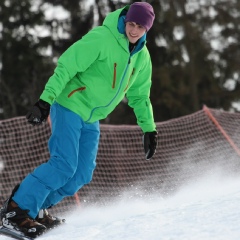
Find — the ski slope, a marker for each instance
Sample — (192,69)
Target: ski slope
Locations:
(206,209)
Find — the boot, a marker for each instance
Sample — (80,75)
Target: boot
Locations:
(48,220)
(15,218)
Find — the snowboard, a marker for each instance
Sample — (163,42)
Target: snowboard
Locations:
(11,233)
(14,234)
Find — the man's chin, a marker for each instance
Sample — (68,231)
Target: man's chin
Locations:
(132,41)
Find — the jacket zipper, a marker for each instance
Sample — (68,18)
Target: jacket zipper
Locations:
(115,94)
(129,79)
(114,75)
(76,90)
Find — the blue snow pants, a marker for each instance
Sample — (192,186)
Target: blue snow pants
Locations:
(73,147)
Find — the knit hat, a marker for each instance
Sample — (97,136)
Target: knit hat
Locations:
(141,13)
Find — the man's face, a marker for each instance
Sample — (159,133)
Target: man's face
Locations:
(134,31)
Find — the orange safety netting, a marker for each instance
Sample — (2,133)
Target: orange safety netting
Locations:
(188,147)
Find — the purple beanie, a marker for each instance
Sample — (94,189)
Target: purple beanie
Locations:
(141,13)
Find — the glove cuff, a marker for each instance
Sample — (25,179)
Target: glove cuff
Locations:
(43,104)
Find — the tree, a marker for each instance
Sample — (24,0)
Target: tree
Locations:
(23,66)
(194,48)
(187,70)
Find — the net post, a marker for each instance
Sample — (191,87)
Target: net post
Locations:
(77,199)
(220,128)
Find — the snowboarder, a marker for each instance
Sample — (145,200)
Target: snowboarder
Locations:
(92,76)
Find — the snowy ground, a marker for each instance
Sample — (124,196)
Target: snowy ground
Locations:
(206,209)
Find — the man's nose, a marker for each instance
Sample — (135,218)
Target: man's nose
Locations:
(134,29)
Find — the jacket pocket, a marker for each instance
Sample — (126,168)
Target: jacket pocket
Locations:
(114,75)
(76,90)
(129,79)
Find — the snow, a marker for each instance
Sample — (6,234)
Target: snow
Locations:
(206,209)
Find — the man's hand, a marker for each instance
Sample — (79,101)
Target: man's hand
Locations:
(39,113)
(150,143)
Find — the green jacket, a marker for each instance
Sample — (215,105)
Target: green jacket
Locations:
(95,73)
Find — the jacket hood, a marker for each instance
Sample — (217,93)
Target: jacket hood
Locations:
(112,21)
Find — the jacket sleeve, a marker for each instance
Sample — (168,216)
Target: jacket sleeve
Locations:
(138,98)
(77,58)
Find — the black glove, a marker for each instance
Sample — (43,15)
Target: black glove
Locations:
(39,113)
(150,143)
